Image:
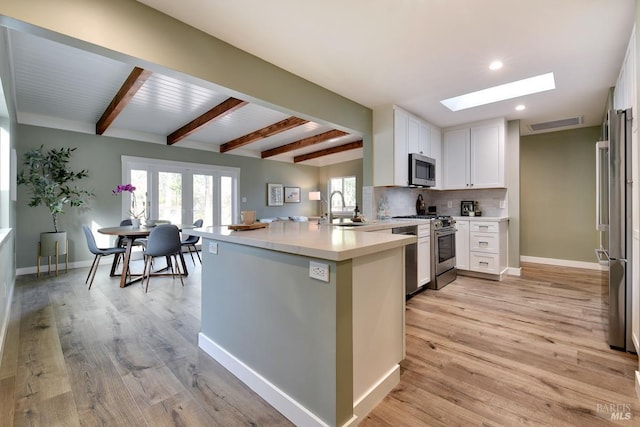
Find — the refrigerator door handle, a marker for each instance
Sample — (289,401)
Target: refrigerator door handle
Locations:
(603,257)
(602,202)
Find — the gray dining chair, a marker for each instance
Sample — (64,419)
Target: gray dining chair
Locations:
(191,241)
(163,241)
(99,253)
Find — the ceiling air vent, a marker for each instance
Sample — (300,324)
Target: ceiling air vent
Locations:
(573,121)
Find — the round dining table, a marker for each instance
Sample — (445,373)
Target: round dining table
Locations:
(129,234)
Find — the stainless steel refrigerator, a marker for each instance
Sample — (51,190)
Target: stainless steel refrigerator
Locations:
(613,218)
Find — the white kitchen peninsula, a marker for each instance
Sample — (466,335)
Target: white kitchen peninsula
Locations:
(321,352)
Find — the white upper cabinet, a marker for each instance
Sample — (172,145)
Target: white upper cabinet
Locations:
(390,157)
(400,150)
(436,153)
(624,94)
(396,133)
(455,159)
(419,138)
(413,138)
(474,156)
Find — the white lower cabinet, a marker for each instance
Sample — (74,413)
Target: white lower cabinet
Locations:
(485,263)
(424,254)
(483,242)
(462,245)
(482,246)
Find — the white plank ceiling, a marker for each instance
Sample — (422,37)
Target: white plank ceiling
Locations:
(60,86)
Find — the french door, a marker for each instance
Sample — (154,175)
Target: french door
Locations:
(182,192)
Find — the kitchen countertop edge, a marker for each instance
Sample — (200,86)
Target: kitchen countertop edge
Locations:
(481,218)
(308,239)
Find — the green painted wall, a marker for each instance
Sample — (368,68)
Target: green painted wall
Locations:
(101,156)
(557,215)
(134,33)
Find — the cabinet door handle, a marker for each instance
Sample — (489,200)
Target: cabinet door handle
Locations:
(484,263)
(483,243)
(486,227)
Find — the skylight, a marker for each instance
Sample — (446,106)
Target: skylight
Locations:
(511,90)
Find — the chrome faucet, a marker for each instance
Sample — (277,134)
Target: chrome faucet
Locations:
(330,207)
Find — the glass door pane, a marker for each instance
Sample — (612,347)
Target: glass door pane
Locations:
(170,197)
(203,198)
(139,199)
(226,200)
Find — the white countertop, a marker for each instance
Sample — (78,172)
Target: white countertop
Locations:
(481,218)
(313,240)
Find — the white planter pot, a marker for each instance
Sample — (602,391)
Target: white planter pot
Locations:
(135,222)
(48,243)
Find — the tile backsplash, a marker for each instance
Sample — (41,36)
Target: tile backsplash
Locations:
(394,201)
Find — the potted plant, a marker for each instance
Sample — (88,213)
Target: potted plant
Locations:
(48,177)
(137,212)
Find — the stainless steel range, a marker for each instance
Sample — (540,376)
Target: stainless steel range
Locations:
(443,251)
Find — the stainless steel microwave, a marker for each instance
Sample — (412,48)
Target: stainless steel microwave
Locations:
(422,170)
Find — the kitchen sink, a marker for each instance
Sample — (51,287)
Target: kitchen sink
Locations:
(347,223)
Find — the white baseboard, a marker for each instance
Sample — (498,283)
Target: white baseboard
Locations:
(514,271)
(285,404)
(376,393)
(44,268)
(561,262)
(5,321)
(638,384)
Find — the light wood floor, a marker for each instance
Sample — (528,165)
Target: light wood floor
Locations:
(525,351)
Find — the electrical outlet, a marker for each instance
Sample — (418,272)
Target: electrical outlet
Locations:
(449,204)
(502,204)
(319,271)
(213,248)
(244,200)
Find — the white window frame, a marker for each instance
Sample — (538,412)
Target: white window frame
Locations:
(154,166)
(348,208)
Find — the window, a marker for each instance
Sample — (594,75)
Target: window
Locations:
(347,186)
(7,185)
(182,192)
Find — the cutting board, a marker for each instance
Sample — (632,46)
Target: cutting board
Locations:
(253,226)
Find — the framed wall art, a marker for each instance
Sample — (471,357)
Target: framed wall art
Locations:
(274,195)
(466,207)
(292,194)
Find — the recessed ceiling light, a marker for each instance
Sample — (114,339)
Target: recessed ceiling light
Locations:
(520,107)
(495,65)
(511,90)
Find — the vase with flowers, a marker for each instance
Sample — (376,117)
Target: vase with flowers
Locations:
(137,209)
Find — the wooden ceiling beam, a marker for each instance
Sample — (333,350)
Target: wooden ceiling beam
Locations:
(302,143)
(327,151)
(265,132)
(225,107)
(125,94)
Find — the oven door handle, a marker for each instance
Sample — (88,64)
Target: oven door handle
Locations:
(444,232)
